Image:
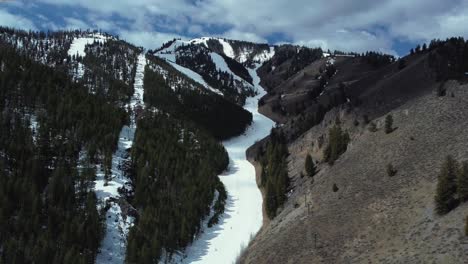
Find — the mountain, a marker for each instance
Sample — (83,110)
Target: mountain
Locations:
(218,64)
(379,132)
(101,142)
(244,52)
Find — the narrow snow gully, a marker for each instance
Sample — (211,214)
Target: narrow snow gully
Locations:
(243,215)
(117,225)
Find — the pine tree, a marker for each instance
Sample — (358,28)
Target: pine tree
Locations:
(418,49)
(446,187)
(310,166)
(391,171)
(388,124)
(337,144)
(335,188)
(441,91)
(462,182)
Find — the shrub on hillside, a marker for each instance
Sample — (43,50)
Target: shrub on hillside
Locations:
(446,187)
(337,144)
(335,188)
(388,124)
(274,177)
(441,91)
(391,171)
(310,168)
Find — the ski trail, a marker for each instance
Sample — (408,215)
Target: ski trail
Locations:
(117,225)
(243,214)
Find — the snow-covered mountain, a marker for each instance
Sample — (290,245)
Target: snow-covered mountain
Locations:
(247,53)
(142,130)
(218,64)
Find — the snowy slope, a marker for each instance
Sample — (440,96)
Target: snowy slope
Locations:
(169,55)
(265,55)
(78,46)
(243,55)
(113,245)
(202,40)
(194,76)
(227,49)
(243,215)
(222,65)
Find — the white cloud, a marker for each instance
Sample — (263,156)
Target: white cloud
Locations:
(15,21)
(147,39)
(73,23)
(337,24)
(248,36)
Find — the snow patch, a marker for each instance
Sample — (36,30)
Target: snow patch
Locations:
(194,76)
(222,65)
(169,54)
(78,46)
(227,48)
(264,56)
(137,98)
(202,40)
(261,57)
(34,126)
(113,246)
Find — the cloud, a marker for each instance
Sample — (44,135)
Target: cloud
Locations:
(242,35)
(147,39)
(16,21)
(336,24)
(73,23)
(448,21)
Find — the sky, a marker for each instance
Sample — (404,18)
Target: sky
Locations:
(389,26)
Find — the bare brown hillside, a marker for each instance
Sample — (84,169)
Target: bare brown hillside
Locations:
(374,218)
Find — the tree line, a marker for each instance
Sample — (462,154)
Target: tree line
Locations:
(174,171)
(274,177)
(448,59)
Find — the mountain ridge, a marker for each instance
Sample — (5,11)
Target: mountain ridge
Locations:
(92,112)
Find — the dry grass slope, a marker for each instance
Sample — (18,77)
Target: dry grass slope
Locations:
(374,218)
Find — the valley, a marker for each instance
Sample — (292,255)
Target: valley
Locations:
(243,216)
(212,150)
